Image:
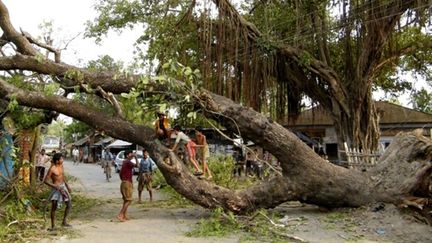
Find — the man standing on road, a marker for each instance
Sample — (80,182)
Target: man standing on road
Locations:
(60,189)
(145,177)
(75,155)
(41,161)
(108,158)
(126,186)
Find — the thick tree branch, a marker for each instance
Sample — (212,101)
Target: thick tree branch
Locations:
(379,25)
(70,75)
(56,52)
(12,35)
(407,50)
(112,100)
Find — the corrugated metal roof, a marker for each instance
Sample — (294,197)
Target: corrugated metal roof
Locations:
(119,144)
(103,141)
(81,141)
(389,114)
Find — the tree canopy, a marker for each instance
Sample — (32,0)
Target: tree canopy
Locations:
(269,55)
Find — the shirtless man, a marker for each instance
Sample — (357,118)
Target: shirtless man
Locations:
(60,189)
(204,151)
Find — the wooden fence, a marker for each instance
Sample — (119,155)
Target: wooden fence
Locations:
(360,159)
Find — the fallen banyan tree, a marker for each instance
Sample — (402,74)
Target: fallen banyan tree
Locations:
(402,175)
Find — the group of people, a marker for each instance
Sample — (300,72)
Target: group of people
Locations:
(198,148)
(61,191)
(80,155)
(251,164)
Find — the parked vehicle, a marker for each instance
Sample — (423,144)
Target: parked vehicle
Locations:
(121,156)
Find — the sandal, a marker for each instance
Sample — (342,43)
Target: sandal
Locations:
(198,173)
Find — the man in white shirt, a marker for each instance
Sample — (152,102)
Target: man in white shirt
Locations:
(190,147)
(41,161)
(75,154)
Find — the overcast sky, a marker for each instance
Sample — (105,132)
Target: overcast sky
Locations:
(69,18)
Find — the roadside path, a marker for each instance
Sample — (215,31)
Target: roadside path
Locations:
(146,225)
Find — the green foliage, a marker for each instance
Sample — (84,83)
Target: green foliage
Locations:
(24,216)
(252,227)
(25,118)
(422,100)
(222,168)
(161,33)
(218,224)
(105,63)
(78,128)
(56,128)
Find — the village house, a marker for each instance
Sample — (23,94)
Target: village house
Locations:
(317,124)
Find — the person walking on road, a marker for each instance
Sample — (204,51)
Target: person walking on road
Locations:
(107,161)
(126,186)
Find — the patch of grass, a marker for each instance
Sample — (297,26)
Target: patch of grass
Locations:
(218,224)
(222,168)
(24,216)
(253,227)
(337,216)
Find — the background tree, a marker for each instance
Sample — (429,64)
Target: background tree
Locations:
(422,100)
(274,53)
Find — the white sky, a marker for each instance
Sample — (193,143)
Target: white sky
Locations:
(69,18)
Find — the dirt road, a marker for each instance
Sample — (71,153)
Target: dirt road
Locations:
(151,223)
(146,225)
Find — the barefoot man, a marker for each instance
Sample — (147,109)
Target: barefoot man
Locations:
(126,186)
(60,189)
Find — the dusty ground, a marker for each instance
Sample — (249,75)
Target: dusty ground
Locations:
(153,224)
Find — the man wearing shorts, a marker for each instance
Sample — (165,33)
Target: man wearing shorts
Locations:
(190,148)
(204,151)
(145,178)
(126,186)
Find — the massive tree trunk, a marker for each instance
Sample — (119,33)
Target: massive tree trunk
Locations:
(306,177)
(402,177)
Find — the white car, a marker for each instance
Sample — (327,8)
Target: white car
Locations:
(121,156)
